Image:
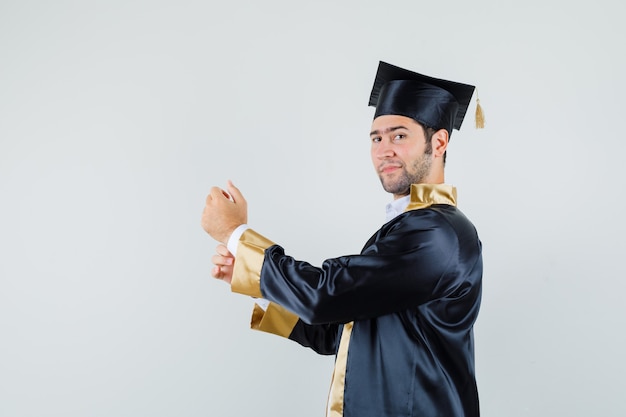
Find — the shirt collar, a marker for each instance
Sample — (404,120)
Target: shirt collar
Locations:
(396,207)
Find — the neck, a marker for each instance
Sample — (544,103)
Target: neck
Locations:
(431,179)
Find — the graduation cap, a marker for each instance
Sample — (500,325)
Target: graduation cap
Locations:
(433,102)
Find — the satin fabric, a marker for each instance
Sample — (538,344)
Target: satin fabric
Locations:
(427,104)
(413,295)
(434,102)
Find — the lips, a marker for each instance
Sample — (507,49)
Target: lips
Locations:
(387,168)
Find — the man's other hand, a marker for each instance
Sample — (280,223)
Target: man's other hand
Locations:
(224,262)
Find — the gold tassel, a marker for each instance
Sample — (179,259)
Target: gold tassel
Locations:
(480,117)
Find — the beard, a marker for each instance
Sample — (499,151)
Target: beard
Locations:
(414,173)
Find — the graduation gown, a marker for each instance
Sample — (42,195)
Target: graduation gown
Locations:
(398,316)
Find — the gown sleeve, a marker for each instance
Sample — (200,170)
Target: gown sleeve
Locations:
(275,319)
(322,338)
(414,259)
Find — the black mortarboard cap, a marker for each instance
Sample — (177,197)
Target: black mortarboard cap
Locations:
(433,102)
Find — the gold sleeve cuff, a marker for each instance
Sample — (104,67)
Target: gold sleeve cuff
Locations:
(275,320)
(247,270)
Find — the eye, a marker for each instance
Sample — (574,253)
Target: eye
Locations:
(376,139)
(399,136)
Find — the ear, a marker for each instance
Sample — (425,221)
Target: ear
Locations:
(440,142)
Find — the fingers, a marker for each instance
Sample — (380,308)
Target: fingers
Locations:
(223,250)
(223,262)
(216,192)
(220,260)
(213,193)
(234,192)
(220,272)
(216,272)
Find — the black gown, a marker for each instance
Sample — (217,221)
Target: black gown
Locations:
(399,316)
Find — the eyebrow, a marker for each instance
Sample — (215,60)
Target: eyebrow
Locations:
(387,130)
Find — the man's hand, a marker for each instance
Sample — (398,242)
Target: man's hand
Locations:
(223,212)
(224,262)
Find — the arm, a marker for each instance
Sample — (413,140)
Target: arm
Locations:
(276,319)
(409,262)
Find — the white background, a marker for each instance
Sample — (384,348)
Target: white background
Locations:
(116,118)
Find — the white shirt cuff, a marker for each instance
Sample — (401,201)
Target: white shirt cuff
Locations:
(233,240)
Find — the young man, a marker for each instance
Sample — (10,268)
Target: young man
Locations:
(399,317)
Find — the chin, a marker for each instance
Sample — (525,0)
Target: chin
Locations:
(395,190)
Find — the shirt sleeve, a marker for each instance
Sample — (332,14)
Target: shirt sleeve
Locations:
(233,240)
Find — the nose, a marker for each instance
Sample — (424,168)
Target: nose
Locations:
(384,149)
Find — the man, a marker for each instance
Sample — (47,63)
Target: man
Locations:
(399,317)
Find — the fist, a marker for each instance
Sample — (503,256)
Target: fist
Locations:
(223,212)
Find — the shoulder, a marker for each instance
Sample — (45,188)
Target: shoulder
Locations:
(442,223)
(426,228)
(443,215)
(440,215)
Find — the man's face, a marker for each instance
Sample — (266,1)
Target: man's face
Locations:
(400,153)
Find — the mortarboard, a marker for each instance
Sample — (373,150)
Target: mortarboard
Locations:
(433,102)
